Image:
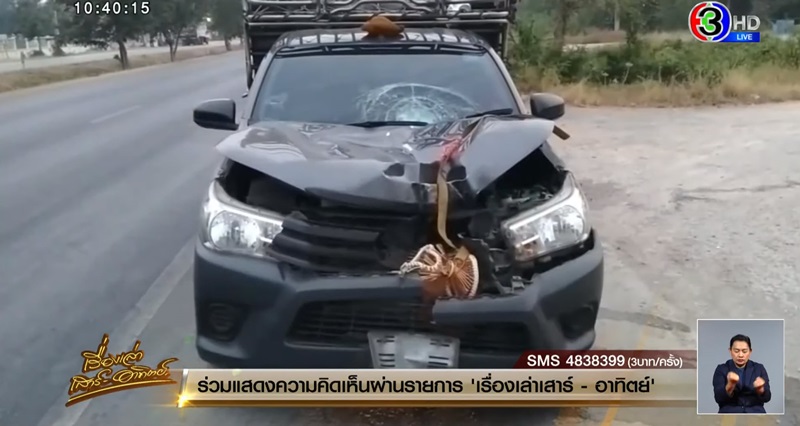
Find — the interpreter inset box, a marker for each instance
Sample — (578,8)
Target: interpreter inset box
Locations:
(740,366)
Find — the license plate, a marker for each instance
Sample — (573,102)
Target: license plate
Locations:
(412,350)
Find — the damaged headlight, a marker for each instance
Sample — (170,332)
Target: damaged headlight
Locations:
(560,223)
(231,226)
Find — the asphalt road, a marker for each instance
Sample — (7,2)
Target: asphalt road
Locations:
(101,181)
(9,65)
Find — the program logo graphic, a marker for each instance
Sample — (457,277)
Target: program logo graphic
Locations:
(710,22)
(103,373)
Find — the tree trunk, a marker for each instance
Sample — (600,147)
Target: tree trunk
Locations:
(173,50)
(58,49)
(616,15)
(123,54)
(560,27)
(227,43)
(39,42)
(173,45)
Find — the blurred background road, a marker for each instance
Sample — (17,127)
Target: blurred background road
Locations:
(101,181)
(14,64)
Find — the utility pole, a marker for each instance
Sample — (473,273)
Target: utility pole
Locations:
(55,22)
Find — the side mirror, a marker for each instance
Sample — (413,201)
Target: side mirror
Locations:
(547,106)
(219,114)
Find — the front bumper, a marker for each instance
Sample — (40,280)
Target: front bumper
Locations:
(258,313)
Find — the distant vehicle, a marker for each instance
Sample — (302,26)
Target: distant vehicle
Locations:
(193,40)
(384,191)
(196,36)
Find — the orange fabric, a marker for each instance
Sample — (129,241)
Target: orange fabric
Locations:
(381,26)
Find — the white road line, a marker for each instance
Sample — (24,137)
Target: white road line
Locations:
(115,114)
(129,329)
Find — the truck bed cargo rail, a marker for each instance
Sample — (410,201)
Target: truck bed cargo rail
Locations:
(267,20)
(260,11)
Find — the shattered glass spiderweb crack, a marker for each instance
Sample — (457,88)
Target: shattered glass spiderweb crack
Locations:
(413,102)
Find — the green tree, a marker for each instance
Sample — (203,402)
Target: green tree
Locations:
(227,19)
(7,17)
(672,14)
(784,9)
(634,15)
(740,7)
(172,18)
(104,30)
(33,20)
(62,21)
(563,10)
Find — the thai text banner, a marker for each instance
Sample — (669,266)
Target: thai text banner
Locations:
(439,387)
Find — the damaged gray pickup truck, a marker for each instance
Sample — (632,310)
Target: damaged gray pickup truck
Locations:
(385,201)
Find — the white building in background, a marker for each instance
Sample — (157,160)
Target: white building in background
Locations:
(202,28)
(783,28)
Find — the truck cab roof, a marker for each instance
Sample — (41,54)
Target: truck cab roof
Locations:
(348,36)
(276,25)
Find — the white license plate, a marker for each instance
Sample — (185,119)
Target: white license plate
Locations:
(412,350)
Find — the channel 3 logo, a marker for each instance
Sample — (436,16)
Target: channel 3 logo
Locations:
(712,22)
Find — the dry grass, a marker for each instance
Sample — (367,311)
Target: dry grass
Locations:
(740,85)
(609,36)
(761,85)
(41,76)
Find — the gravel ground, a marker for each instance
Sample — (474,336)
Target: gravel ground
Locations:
(698,210)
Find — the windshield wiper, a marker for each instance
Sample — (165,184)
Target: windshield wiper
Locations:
(501,111)
(371,124)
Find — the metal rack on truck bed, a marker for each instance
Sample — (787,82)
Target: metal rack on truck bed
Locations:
(267,20)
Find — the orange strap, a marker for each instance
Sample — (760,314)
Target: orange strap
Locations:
(442,201)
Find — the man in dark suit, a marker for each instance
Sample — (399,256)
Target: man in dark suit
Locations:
(741,385)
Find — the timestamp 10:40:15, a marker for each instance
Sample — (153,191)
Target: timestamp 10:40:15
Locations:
(112,8)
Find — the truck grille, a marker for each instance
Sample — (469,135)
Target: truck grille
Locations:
(349,242)
(345,323)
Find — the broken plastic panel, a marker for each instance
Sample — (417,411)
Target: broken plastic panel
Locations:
(475,223)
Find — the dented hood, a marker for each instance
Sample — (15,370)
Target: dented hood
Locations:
(386,166)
